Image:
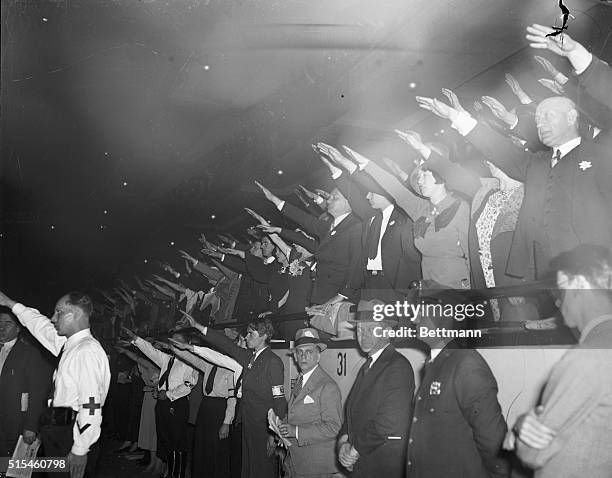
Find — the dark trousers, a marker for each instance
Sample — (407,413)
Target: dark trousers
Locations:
(211,456)
(57,442)
(255,461)
(171,421)
(236,448)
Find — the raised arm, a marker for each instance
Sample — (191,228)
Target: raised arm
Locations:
(39,326)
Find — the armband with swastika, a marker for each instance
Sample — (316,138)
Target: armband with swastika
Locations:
(278,391)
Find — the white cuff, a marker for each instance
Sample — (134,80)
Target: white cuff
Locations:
(336,173)
(281,205)
(586,65)
(18,308)
(464,123)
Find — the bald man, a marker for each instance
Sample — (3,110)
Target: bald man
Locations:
(568,188)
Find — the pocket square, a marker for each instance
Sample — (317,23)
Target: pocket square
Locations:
(308,399)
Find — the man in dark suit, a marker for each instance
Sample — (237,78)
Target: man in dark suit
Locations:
(25,381)
(389,260)
(372,440)
(339,250)
(567,189)
(315,412)
(457,427)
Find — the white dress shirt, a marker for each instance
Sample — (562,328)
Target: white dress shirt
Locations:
(376,354)
(82,377)
(564,149)
(182,377)
(376,263)
(224,382)
(5,350)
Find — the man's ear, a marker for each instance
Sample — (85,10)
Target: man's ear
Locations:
(572,117)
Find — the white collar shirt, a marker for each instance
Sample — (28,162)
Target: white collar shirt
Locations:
(338,220)
(564,149)
(181,379)
(376,263)
(82,377)
(307,375)
(375,356)
(5,350)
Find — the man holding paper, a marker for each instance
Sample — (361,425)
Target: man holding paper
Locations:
(315,410)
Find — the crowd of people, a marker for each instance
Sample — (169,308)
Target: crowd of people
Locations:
(208,402)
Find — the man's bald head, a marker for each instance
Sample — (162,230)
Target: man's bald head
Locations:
(557,121)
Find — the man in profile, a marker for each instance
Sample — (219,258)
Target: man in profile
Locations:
(569,433)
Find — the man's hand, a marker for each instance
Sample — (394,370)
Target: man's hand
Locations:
(193,323)
(324,194)
(161,345)
(454,100)
(347,456)
(269,196)
(233,252)
(6,301)
(271,445)
(552,85)
(532,432)
(327,151)
(437,107)
(270,229)
(360,159)
(224,431)
(561,45)
(517,90)
(551,70)
(259,218)
(212,253)
(500,111)
(29,436)
(131,335)
(175,344)
(413,139)
(287,430)
(188,257)
(395,168)
(77,464)
(161,395)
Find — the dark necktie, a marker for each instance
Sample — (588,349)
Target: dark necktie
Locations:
(556,158)
(52,391)
(298,386)
(163,381)
(210,381)
(364,369)
(374,236)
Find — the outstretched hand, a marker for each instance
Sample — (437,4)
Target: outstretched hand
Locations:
(562,45)
(515,86)
(437,107)
(453,99)
(257,217)
(499,110)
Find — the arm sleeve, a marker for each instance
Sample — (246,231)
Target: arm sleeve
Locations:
(299,238)
(328,424)
(354,270)
(158,357)
(93,376)
(224,344)
(230,411)
(356,198)
(311,224)
(476,392)
(259,271)
(596,80)
(276,377)
(392,416)
(190,379)
(571,401)
(40,327)
(40,374)
(456,177)
(234,263)
(406,199)
(192,359)
(500,151)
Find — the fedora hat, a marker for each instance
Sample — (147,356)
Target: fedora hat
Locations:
(308,336)
(366,313)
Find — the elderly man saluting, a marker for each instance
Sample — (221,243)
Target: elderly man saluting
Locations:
(315,410)
(80,383)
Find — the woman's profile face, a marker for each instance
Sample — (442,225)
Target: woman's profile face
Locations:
(426,182)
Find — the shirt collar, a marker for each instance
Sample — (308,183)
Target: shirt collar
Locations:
(307,375)
(386,212)
(10,344)
(339,219)
(73,339)
(434,353)
(592,324)
(257,354)
(269,260)
(376,354)
(566,147)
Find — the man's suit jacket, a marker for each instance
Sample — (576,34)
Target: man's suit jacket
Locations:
(563,206)
(596,81)
(24,388)
(338,252)
(377,414)
(252,295)
(457,427)
(400,259)
(317,412)
(577,404)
